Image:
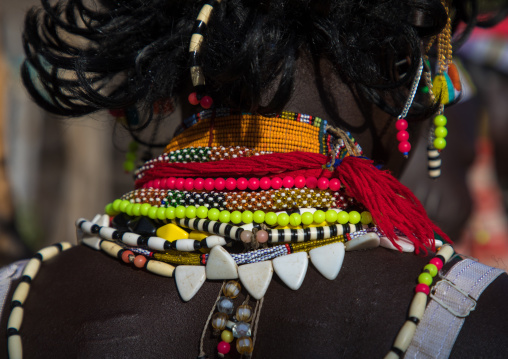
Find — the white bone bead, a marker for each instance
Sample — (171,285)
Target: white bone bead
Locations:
(15,347)
(213,241)
(65,246)
(446,251)
(86,226)
(160,268)
(418,305)
(256,277)
(391,355)
(130,239)
(107,232)
(328,259)
(291,269)
(185,245)
(16,318)
(32,268)
(405,335)
(92,242)
(48,252)
(21,292)
(189,280)
(366,241)
(156,243)
(110,248)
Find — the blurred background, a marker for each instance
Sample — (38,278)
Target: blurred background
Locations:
(54,170)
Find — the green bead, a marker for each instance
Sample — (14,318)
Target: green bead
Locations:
(129,208)
(247,217)
(366,217)
(354,217)
(123,205)
(425,278)
(331,216)
(440,120)
(133,146)
(170,213)
(130,156)
(271,218)
(109,209)
(307,218)
(441,131)
(295,219)
(116,204)
(431,268)
(213,214)
(180,212)
(145,207)
(190,212)
(343,217)
(202,212)
(283,219)
(161,213)
(319,216)
(425,89)
(227,336)
(259,216)
(439,143)
(136,210)
(224,216)
(152,212)
(128,166)
(236,217)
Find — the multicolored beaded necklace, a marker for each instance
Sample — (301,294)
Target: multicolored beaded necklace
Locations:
(287,189)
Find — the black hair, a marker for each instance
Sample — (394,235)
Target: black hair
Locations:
(111,54)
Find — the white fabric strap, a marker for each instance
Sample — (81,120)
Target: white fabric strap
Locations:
(7,274)
(452,299)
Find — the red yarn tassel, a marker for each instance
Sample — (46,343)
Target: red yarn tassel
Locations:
(391,204)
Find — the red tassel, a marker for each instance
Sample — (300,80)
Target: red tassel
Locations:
(391,204)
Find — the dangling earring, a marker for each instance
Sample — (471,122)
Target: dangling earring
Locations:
(401,124)
(198,78)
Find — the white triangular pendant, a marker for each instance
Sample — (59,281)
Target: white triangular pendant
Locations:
(367,241)
(328,259)
(256,277)
(291,269)
(220,265)
(188,280)
(403,242)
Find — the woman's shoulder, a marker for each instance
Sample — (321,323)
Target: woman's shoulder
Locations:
(84,303)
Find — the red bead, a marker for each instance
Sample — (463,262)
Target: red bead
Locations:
(253,183)
(299,181)
(189,184)
(288,182)
(223,347)
(199,184)
(125,256)
(424,288)
(437,262)
(231,183)
(206,102)
(311,182)
(265,183)
(242,183)
(322,183)
(404,147)
(401,124)
(140,261)
(276,183)
(157,183)
(220,184)
(171,182)
(209,184)
(402,136)
(193,99)
(334,184)
(148,184)
(164,183)
(179,183)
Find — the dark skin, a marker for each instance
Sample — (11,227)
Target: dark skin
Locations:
(86,304)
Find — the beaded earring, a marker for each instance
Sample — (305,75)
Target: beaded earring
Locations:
(401,123)
(196,71)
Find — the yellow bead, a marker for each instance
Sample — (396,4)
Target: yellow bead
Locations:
(172,232)
(244,345)
(244,313)
(232,289)
(198,235)
(227,336)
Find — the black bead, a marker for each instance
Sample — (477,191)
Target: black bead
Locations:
(59,246)
(26,279)
(142,225)
(397,351)
(12,331)
(120,221)
(117,235)
(95,228)
(414,320)
(442,258)
(16,303)
(38,256)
